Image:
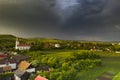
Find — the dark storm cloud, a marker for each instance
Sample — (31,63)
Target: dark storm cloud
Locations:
(97,18)
(28,12)
(28,17)
(91,19)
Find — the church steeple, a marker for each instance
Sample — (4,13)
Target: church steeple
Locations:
(20,46)
(17,43)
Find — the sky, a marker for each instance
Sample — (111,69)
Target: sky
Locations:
(97,20)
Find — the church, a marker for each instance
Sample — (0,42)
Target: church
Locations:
(20,46)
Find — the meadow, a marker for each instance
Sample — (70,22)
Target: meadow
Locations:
(109,63)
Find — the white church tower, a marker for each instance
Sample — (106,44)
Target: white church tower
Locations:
(17,43)
(20,46)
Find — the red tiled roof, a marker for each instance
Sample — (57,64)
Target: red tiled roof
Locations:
(3,55)
(23,45)
(40,78)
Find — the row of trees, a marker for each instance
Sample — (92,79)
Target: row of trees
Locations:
(71,45)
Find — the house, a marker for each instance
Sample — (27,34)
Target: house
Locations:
(2,56)
(117,52)
(21,46)
(40,78)
(23,65)
(21,75)
(57,45)
(5,69)
(19,58)
(13,62)
(10,62)
(31,70)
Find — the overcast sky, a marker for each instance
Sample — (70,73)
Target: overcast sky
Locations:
(62,19)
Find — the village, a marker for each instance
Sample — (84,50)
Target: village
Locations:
(53,59)
(14,66)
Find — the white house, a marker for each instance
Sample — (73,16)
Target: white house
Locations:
(12,65)
(21,46)
(31,70)
(57,45)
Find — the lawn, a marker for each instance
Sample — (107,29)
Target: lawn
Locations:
(110,63)
(117,77)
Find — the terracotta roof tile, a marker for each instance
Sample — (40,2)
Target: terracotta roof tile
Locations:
(40,78)
(23,45)
(24,65)
(3,55)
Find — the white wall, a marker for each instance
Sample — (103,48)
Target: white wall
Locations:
(31,70)
(23,47)
(16,77)
(13,65)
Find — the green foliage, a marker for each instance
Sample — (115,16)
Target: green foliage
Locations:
(35,63)
(8,74)
(64,65)
(32,76)
(117,77)
(86,55)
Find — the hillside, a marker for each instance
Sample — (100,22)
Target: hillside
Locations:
(7,36)
(7,42)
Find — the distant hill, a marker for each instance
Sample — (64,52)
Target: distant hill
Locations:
(7,37)
(7,41)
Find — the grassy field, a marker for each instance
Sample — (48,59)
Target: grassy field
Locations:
(117,77)
(110,63)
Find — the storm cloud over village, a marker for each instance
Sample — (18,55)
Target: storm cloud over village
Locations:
(62,19)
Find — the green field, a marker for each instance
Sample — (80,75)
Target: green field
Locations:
(117,77)
(110,62)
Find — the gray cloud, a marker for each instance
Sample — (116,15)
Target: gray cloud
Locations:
(91,19)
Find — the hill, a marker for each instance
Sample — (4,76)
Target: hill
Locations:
(6,36)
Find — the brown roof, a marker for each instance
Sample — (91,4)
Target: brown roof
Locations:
(15,59)
(24,65)
(5,61)
(20,57)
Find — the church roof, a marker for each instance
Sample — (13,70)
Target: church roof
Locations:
(24,45)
